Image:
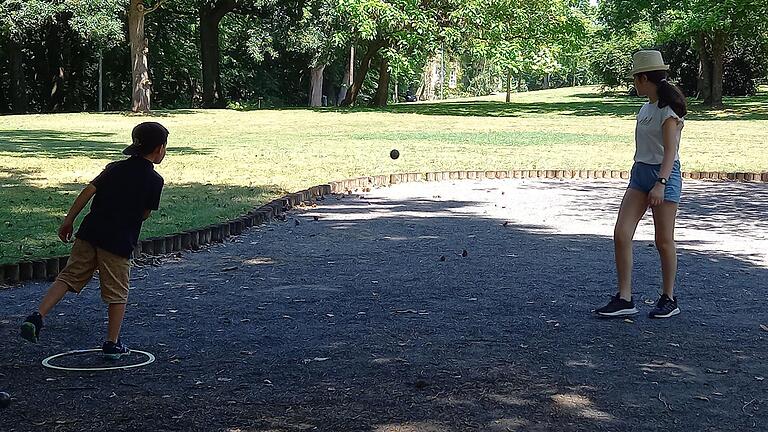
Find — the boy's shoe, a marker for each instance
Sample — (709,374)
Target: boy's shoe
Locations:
(666,307)
(617,307)
(113,351)
(30,328)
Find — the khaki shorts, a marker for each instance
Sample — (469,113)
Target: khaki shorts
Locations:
(85,259)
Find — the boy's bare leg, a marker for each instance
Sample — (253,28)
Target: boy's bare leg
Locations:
(55,293)
(116,312)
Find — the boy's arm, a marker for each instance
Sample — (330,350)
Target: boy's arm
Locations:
(153,201)
(65,230)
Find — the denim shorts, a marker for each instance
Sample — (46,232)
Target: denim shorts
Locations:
(644,176)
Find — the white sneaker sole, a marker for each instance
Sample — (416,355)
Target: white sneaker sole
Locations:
(117,356)
(619,313)
(674,312)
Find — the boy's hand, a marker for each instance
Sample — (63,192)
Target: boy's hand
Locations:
(65,231)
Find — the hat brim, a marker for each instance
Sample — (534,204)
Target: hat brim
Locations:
(131,150)
(647,69)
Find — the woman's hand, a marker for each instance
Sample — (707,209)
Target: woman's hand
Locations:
(656,195)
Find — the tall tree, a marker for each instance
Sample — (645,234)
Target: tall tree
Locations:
(713,25)
(396,27)
(211,14)
(99,23)
(318,35)
(524,36)
(141,83)
(20,22)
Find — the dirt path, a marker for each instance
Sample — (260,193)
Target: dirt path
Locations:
(354,322)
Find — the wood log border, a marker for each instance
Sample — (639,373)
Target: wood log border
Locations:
(47,269)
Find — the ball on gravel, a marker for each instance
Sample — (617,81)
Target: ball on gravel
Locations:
(394,154)
(5,400)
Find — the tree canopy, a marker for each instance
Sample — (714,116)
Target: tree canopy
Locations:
(218,53)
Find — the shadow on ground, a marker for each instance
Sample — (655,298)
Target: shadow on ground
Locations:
(353,322)
(31,214)
(60,144)
(579,105)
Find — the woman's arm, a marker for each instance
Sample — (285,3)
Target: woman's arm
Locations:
(669,136)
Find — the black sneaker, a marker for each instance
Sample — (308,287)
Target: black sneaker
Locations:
(666,307)
(113,351)
(617,307)
(30,328)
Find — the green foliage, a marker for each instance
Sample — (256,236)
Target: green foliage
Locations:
(679,24)
(174,59)
(533,38)
(268,46)
(98,21)
(745,64)
(19,19)
(611,59)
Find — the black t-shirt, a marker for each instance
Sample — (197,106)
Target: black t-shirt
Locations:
(124,191)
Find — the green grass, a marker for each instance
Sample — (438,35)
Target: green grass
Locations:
(221,163)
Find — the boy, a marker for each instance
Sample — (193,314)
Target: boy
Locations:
(123,194)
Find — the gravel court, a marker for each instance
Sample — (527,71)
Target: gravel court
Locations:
(371,318)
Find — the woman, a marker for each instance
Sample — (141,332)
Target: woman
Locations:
(655,182)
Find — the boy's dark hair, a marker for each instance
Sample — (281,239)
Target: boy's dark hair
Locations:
(146,137)
(669,94)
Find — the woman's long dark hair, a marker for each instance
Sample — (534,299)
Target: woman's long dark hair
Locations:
(669,94)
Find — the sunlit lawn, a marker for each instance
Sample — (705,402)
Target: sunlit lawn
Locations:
(221,163)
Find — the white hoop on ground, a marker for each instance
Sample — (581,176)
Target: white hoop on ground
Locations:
(47,361)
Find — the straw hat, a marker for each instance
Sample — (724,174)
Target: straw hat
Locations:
(646,61)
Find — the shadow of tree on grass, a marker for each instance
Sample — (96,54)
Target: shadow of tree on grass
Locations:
(40,143)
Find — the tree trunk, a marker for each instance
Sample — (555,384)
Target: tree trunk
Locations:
(4,102)
(704,80)
(141,85)
(509,84)
(718,60)
(210,18)
(382,92)
(330,90)
(396,99)
(420,91)
(53,68)
(18,87)
(349,72)
(316,86)
(344,86)
(373,48)
(68,75)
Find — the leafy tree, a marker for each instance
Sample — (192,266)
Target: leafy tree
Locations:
(712,25)
(391,31)
(20,21)
(524,37)
(142,85)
